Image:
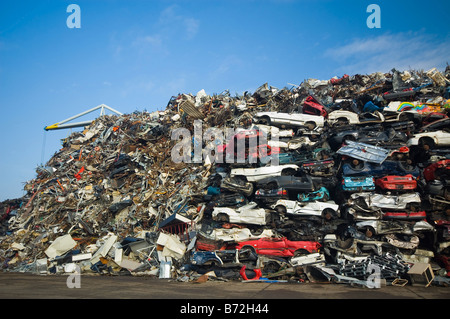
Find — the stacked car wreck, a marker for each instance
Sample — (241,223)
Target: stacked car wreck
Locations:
(342,180)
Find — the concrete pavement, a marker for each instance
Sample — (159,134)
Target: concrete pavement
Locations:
(25,286)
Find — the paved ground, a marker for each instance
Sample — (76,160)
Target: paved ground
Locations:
(211,299)
(24,286)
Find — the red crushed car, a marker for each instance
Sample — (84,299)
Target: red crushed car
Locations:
(437,170)
(255,146)
(444,261)
(397,183)
(313,107)
(280,246)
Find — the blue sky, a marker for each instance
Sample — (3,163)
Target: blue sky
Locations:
(134,55)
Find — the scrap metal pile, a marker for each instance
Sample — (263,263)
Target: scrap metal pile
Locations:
(347,182)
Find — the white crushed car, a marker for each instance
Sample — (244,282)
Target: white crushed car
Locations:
(343,117)
(273,130)
(381,227)
(236,234)
(430,139)
(247,214)
(293,144)
(259,173)
(327,210)
(290,119)
(407,201)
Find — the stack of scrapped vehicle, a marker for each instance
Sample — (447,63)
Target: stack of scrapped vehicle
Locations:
(345,180)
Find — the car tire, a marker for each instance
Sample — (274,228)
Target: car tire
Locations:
(357,164)
(426,143)
(256,231)
(369,232)
(310,125)
(413,207)
(211,264)
(342,121)
(223,218)
(328,213)
(265,120)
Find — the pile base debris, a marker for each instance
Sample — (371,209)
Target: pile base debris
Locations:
(359,194)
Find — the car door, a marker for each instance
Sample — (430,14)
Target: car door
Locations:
(280,118)
(311,208)
(296,119)
(250,214)
(442,138)
(271,246)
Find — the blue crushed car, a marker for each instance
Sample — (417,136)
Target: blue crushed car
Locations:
(321,194)
(388,167)
(358,183)
(203,258)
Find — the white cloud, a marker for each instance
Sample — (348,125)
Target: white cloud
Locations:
(171,21)
(192,26)
(154,41)
(169,27)
(411,50)
(229,62)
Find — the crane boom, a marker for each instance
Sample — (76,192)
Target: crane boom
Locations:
(61,125)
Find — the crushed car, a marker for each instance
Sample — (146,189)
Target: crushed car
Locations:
(247,214)
(397,183)
(327,210)
(409,201)
(289,120)
(279,247)
(358,183)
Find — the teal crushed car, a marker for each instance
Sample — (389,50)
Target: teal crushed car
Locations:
(358,183)
(321,194)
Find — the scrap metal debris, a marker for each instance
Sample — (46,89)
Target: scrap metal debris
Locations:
(338,205)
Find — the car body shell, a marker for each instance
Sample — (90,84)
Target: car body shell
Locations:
(358,183)
(365,152)
(249,153)
(271,131)
(443,123)
(439,138)
(436,170)
(235,234)
(342,116)
(292,144)
(315,208)
(290,119)
(405,215)
(289,182)
(269,195)
(279,246)
(237,186)
(387,202)
(322,194)
(219,257)
(388,167)
(305,156)
(259,173)
(312,106)
(381,227)
(362,213)
(397,183)
(324,167)
(379,137)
